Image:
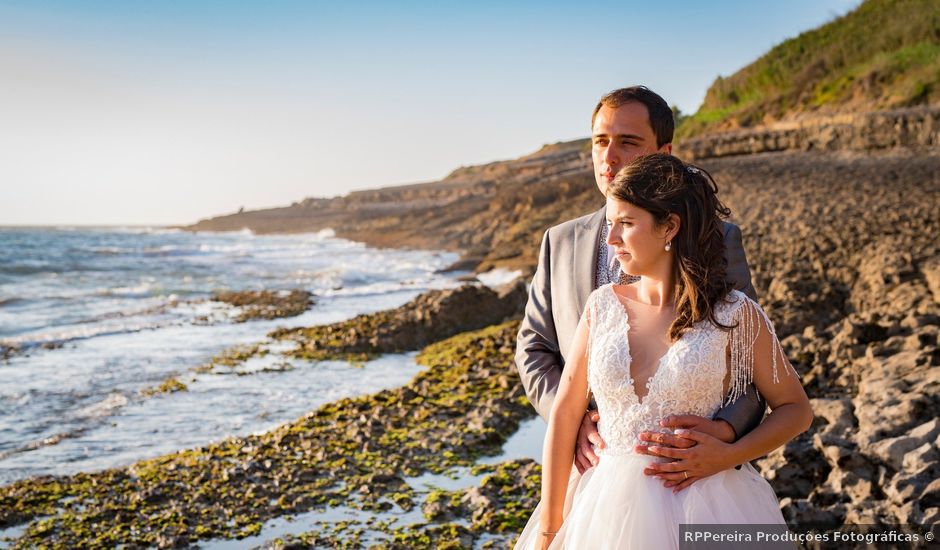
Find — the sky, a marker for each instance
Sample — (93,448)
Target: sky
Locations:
(165,112)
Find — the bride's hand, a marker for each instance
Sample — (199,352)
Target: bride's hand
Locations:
(546,541)
(715,428)
(707,456)
(654,441)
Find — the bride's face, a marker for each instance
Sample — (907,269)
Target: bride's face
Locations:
(638,241)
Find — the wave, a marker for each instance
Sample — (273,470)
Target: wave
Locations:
(374,289)
(56,339)
(243,231)
(322,234)
(170,312)
(96,411)
(10,301)
(236,249)
(67,266)
(111,251)
(144,230)
(142,290)
(171,301)
(45,442)
(25,269)
(105,407)
(172,250)
(498,277)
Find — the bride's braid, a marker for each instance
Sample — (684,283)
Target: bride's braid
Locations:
(662,185)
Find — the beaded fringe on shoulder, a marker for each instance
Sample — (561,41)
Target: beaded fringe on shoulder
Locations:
(750,320)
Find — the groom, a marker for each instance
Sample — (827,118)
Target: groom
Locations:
(575,259)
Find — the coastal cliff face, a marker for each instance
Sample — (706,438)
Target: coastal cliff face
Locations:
(917,127)
(493,214)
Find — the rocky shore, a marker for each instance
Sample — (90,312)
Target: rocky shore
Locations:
(355,452)
(844,254)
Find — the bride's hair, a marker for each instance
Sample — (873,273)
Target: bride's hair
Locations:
(662,185)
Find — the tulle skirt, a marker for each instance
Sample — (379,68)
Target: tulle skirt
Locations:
(615,506)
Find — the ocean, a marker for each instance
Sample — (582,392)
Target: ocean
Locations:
(90,318)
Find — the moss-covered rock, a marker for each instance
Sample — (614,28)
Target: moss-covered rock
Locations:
(431,317)
(443,505)
(506,497)
(169,385)
(450,536)
(233,357)
(265,304)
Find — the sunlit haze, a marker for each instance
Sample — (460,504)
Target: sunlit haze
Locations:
(168,112)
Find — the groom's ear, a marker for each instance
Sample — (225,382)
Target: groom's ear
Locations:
(666,148)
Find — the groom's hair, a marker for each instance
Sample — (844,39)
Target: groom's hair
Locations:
(661,118)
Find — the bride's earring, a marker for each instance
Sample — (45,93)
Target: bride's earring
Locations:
(668,246)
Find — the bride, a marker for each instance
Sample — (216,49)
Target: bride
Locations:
(679,341)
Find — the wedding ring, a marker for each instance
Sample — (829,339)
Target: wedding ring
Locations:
(686,474)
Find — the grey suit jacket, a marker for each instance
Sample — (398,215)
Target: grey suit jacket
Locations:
(563,281)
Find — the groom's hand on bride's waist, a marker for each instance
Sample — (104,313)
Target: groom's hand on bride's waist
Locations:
(718,429)
(588,437)
(695,451)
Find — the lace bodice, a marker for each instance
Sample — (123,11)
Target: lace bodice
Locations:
(689,378)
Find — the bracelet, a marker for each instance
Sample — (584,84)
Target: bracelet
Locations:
(549,533)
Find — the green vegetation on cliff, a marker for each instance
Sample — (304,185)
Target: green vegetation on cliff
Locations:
(884,54)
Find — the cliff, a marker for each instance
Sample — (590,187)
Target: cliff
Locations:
(883,55)
(494,214)
(912,128)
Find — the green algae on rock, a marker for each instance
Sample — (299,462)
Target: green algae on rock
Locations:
(233,357)
(506,497)
(353,452)
(497,509)
(449,536)
(443,505)
(169,385)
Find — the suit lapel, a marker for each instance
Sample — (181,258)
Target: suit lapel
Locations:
(585,257)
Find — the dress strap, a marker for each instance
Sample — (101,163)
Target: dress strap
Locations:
(749,322)
(590,312)
(595,312)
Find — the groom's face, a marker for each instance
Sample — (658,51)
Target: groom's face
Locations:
(620,134)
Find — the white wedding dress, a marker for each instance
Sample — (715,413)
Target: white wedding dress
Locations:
(615,505)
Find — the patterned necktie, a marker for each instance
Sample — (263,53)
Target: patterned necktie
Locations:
(605,270)
(605,273)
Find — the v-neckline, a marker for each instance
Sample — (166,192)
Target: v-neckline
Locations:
(649,383)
